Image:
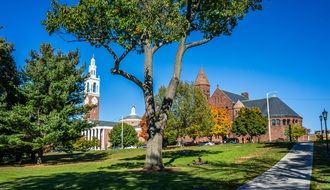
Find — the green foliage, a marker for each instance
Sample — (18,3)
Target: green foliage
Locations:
(126,23)
(190,114)
(129,133)
(54,93)
(83,144)
(296,131)
(250,122)
(9,96)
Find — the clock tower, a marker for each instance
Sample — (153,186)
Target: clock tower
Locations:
(92,90)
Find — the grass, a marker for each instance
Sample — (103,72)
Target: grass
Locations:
(228,166)
(321,167)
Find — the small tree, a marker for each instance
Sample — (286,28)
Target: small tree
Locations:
(222,121)
(144,128)
(129,133)
(250,122)
(190,114)
(296,131)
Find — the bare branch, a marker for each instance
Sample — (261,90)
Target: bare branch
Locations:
(127,76)
(198,43)
(113,54)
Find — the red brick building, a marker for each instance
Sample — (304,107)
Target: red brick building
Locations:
(281,115)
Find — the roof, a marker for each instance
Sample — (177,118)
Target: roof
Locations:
(234,97)
(132,117)
(106,123)
(277,108)
(201,78)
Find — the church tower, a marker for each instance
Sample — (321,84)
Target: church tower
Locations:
(202,83)
(92,90)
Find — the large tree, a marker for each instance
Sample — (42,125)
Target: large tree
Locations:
(145,26)
(9,96)
(250,122)
(54,92)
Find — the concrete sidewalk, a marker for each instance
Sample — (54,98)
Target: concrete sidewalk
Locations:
(293,171)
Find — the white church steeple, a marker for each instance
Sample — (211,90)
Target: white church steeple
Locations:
(92,84)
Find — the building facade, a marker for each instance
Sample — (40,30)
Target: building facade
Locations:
(281,115)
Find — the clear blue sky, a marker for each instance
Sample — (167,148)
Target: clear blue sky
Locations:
(284,48)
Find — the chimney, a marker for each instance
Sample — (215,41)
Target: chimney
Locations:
(245,94)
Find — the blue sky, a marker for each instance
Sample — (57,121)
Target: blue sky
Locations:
(284,48)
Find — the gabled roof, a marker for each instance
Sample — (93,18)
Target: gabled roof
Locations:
(234,97)
(201,78)
(277,108)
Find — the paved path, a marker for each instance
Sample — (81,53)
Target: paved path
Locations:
(293,171)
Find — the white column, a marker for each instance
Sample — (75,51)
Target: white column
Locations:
(88,133)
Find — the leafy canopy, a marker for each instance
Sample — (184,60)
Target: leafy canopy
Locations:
(129,133)
(250,122)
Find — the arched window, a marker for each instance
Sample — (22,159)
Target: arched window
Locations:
(273,122)
(284,121)
(94,87)
(278,122)
(87,86)
(288,121)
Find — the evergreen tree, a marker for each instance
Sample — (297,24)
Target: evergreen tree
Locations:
(54,90)
(129,135)
(9,96)
(250,122)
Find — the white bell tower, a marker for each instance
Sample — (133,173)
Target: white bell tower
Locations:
(92,90)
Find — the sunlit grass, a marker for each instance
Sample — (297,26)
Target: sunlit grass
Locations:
(227,167)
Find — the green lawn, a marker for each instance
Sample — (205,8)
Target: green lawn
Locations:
(321,167)
(228,166)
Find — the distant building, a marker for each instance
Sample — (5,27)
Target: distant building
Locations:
(133,120)
(102,129)
(281,115)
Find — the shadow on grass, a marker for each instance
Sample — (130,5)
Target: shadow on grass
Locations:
(64,158)
(286,145)
(321,167)
(175,154)
(117,180)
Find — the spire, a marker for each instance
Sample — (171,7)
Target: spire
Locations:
(133,111)
(93,61)
(201,78)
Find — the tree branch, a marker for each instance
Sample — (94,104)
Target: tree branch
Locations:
(113,54)
(128,76)
(198,43)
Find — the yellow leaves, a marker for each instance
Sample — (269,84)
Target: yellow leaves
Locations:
(222,121)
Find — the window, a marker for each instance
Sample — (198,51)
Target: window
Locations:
(87,87)
(273,122)
(94,87)
(288,121)
(278,122)
(284,121)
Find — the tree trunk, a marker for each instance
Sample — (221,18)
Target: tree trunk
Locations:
(40,156)
(154,159)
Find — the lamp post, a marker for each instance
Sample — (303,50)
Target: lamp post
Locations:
(268,115)
(321,118)
(325,116)
(122,132)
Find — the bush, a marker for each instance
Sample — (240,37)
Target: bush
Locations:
(83,144)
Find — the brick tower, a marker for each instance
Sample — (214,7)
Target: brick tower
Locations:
(92,90)
(202,83)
